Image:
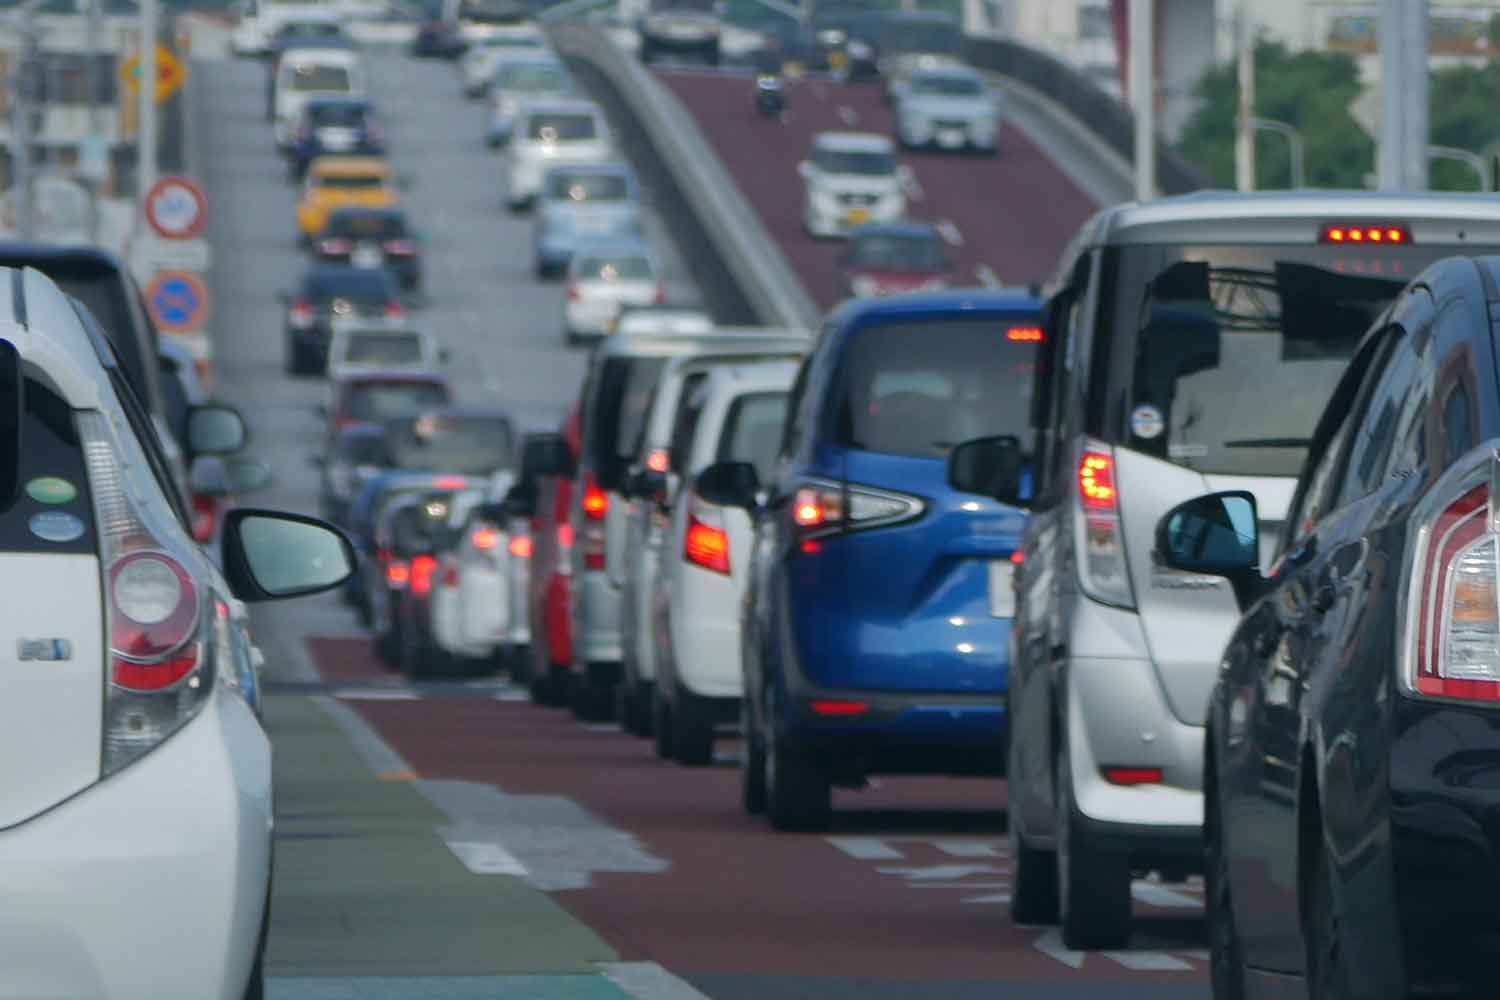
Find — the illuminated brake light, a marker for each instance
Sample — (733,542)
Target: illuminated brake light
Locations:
(397,574)
(1132,775)
(1096,481)
(1024,334)
(595,501)
(485,538)
(335,247)
(565,536)
(301,314)
(450,483)
(706,543)
(520,546)
(837,709)
(394,310)
(1017,557)
(1097,531)
(400,248)
(816,507)
(658,460)
(1383,232)
(422,568)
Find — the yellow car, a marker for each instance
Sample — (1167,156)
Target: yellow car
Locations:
(336,181)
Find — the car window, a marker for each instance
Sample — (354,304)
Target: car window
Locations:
(946,86)
(52,449)
(690,404)
(313,77)
(349,182)
(897,252)
(532,78)
(752,431)
(367,225)
(870,164)
(359,285)
(791,432)
(377,348)
(1393,408)
(362,448)
(619,267)
(337,115)
(918,387)
(174,397)
(619,407)
(582,187)
(381,400)
(465,444)
(557,127)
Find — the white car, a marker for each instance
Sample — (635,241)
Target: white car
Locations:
(476,67)
(604,279)
(144,804)
(363,345)
(519,77)
(477,607)
(303,74)
(668,321)
(850,179)
(549,132)
(258,21)
(736,415)
(951,107)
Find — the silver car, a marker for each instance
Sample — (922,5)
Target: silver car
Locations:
(548,133)
(581,205)
(950,107)
(1194,342)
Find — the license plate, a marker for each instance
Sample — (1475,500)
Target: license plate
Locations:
(950,138)
(367,257)
(1002,588)
(855,216)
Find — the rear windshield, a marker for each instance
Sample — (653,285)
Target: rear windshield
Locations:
(357,284)
(897,252)
(752,431)
(299,31)
(361,448)
(313,77)
(562,127)
(337,115)
(532,78)
(622,267)
(52,501)
(946,86)
(347,182)
(456,443)
(870,164)
(919,387)
(369,401)
(619,408)
(367,225)
(901,34)
(394,348)
(1201,333)
(588,187)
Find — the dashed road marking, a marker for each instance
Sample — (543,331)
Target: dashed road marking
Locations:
(486,858)
(949,231)
(866,848)
(847,115)
(649,981)
(376,694)
(1147,961)
(911,185)
(994,899)
(987,276)
(1051,945)
(969,848)
(942,873)
(1155,894)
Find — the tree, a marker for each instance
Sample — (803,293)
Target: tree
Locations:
(1462,100)
(1311,91)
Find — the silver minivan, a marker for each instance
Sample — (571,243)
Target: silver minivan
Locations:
(1190,345)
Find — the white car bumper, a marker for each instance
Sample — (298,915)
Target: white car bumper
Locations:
(826,217)
(151,883)
(703,627)
(590,318)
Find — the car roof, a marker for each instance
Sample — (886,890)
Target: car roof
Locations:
(853,142)
(905,227)
(753,376)
(1295,217)
(1008,302)
(319,52)
(349,166)
(732,339)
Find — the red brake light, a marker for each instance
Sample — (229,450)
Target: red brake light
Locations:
(1025,334)
(400,248)
(450,482)
(394,310)
(658,460)
(302,313)
(831,708)
(595,501)
(155,605)
(397,574)
(1096,481)
(661,295)
(706,543)
(335,247)
(422,568)
(450,575)
(485,538)
(520,546)
(1380,232)
(572,292)
(815,507)
(1132,775)
(565,536)
(1017,557)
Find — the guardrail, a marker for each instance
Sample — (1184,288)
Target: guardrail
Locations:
(744,254)
(1110,120)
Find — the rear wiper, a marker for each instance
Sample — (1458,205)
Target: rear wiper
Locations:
(1269,443)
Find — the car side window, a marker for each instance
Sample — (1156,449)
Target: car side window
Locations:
(689,409)
(145,434)
(791,436)
(1395,404)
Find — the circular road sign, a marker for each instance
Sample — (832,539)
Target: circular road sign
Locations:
(176,208)
(178,301)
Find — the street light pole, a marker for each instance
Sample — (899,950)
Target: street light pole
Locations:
(1473,160)
(23,104)
(1294,145)
(1244,132)
(145,170)
(1142,95)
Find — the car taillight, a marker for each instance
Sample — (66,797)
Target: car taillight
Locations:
(595,501)
(661,295)
(1132,775)
(595,504)
(394,310)
(831,708)
(205,517)
(520,546)
(335,247)
(450,574)
(658,460)
(823,507)
(422,568)
(484,538)
(1097,531)
(163,637)
(400,248)
(302,314)
(565,536)
(572,292)
(817,508)
(706,543)
(397,574)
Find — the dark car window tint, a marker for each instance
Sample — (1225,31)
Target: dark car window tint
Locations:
(367,225)
(1384,417)
(381,400)
(561,127)
(620,405)
(50,447)
(337,115)
(358,285)
(616,267)
(312,77)
(361,448)
(867,164)
(581,187)
(361,182)
(919,387)
(685,421)
(174,397)
(457,443)
(897,252)
(752,431)
(393,349)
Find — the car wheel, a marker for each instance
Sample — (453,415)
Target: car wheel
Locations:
(753,774)
(1327,966)
(1033,891)
(635,709)
(693,740)
(798,793)
(541,691)
(1093,885)
(388,647)
(661,726)
(1226,960)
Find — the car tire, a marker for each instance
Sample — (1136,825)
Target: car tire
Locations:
(1226,958)
(799,796)
(635,709)
(692,739)
(590,702)
(661,726)
(1093,884)
(388,647)
(1033,891)
(1327,965)
(753,773)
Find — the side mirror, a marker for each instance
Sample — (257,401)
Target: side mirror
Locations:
(729,484)
(1217,535)
(269,555)
(246,475)
(989,466)
(215,429)
(546,455)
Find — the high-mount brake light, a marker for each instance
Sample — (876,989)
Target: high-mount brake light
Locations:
(1365,233)
(1096,480)
(658,460)
(1132,775)
(422,568)
(595,501)
(397,574)
(831,708)
(1024,334)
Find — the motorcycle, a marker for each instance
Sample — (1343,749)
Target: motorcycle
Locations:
(770,95)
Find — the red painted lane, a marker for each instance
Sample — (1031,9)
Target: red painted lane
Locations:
(1015,211)
(737,897)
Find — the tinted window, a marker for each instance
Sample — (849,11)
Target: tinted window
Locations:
(367,225)
(309,77)
(50,448)
(581,187)
(381,400)
(894,251)
(361,448)
(354,283)
(947,86)
(1385,417)
(377,348)
(919,387)
(752,431)
(1198,334)
(456,443)
(685,421)
(616,267)
(869,164)
(342,182)
(620,404)
(107,296)
(561,127)
(174,398)
(337,115)
(905,34)
(532,78)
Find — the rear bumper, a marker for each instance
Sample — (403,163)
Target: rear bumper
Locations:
(902,734)
(173,852)
(704,630)
(596,635)
(590,318)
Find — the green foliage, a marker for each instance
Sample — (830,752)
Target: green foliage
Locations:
(1463,101)
(1309,90)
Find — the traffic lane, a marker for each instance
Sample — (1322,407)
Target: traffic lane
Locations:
(1012,214)
(909,885)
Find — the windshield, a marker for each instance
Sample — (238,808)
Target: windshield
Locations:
(309,77)
(869,164)
(368,401)
(367,225)
(346,182)
(581,187)
(532,78)
(918,388)
(453,443)
(944,85)
(897,253)
(370,347)
(351,283)
(624,267)
(911,35)
(562,127)
(337,115)
(1201,331)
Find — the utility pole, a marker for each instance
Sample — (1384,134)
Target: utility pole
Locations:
(1414,93)
(1403,84)
(1244,127)
(145,170)
(1143,94)
(96,108)
(23,104)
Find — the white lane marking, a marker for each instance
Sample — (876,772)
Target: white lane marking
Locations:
(960,885)
(1147,961)
(377,694)
(987,276)
(649,981)
(969,848)
(1050,944)
(847,115)
(512,694)
(866,848)
(941,873)
(1153,894)
(949,231)
(995,899)
(484,857)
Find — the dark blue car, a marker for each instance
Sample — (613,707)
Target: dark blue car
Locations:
(878,614)
(335,126)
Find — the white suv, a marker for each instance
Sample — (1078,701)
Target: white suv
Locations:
(851,178)
(144,802)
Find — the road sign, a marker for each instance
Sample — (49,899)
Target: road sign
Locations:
(176,208)
(170,74)
(178,301)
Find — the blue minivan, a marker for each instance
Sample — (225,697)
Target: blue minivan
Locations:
(877,617)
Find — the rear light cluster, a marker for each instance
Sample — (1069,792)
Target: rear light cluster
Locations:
(484,538)
(1098,533)
(394,310)
(399,248)
(335,246)
(422,568)
(1024,334)
(301,316)
(595,504)
(706,543)
(823,507)
(520,546)
(163,636)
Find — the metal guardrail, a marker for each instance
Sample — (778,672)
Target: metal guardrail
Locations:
(732,230)
(1110,120)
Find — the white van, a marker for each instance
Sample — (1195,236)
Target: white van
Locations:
(307,73)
